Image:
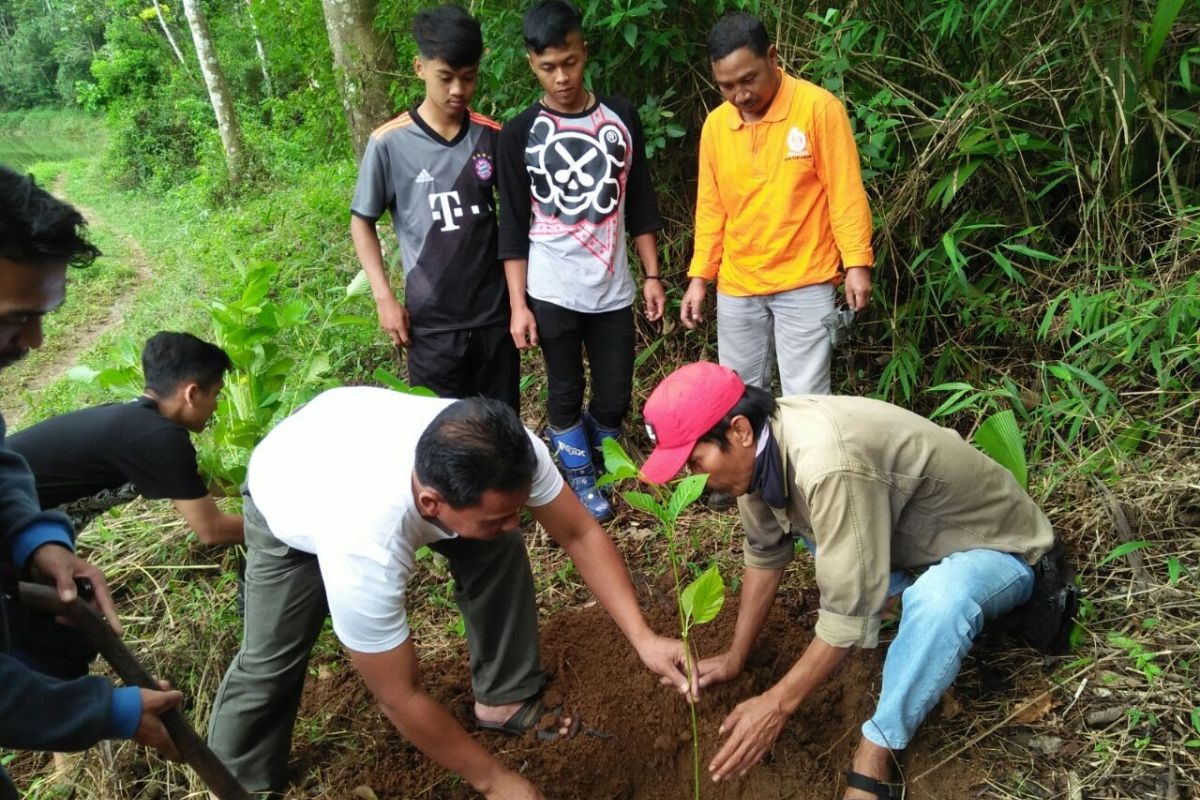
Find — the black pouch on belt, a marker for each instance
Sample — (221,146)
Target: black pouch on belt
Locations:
(1046,619)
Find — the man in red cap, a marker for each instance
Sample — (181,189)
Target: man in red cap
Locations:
(875,488)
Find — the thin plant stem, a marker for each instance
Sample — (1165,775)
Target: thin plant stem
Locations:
(685,634)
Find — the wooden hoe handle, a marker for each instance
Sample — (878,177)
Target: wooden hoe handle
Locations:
(195,752)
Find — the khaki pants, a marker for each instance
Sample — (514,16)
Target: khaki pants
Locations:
(256,705)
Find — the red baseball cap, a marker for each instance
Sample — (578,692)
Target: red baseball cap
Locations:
(683,408)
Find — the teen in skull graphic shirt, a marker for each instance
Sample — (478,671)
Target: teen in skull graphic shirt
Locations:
(571,187)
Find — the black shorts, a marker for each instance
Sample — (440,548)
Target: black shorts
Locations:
(466,363)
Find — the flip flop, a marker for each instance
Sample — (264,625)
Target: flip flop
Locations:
(527,717)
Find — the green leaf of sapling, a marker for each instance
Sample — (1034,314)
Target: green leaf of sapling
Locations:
(645,503)
(617,461)
(703,598)
(687,491)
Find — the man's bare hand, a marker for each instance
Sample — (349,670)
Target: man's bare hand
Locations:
(691,310)
(667,658)
(656,299)
(752,728)
(511,786)
(523,328)
(858,288)
(150,730)
(718,669)
(393,318)
(58,564)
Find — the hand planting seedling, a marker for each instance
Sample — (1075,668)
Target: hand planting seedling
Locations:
(701,600)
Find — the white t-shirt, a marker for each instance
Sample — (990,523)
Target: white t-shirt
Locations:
(335,479)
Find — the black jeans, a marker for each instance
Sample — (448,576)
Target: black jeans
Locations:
(608,338)
(466,363)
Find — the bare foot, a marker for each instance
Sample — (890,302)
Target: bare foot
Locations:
(891,610)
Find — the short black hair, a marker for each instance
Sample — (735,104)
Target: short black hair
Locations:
(735,31)
(756,405)
(472,446)
(37,228)
(449,33)
(549,23)
(170,358)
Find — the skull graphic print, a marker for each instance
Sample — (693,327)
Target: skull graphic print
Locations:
(576,174)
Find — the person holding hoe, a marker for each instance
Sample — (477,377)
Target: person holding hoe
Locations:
(340,497)
(39,236)
(876,488)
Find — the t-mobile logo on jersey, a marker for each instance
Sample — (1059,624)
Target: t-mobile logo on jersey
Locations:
(447,208)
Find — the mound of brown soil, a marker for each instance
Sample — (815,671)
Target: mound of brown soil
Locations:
(636,743)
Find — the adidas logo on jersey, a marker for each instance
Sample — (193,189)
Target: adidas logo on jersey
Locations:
(424,177)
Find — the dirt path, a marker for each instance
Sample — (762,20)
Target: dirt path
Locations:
(20,385)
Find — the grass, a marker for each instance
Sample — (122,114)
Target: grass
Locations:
(46,135)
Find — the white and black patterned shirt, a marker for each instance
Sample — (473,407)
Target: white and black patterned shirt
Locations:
(571,186)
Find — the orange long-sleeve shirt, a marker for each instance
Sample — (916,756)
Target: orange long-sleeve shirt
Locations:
(780,202)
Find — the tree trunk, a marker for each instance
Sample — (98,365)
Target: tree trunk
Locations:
(362,57)
(218,92)
(162,23)
(262,53)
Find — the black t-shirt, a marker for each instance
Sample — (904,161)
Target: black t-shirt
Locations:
(95,449)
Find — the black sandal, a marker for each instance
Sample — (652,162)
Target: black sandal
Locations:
(884,791)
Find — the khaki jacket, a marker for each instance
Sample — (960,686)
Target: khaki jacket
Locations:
(879,488)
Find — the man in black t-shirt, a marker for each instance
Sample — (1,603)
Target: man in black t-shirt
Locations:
(90,460)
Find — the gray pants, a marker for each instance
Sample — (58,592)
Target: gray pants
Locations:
(752,331)
(256,705)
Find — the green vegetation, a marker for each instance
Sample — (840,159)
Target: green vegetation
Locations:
(45,134)
(1035,178)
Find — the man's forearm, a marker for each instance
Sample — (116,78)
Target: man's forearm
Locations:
(757,595)
(436,733)
(44,713)
(816,664)
(229,530)
(647,249)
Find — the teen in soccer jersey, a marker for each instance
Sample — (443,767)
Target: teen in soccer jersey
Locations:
(432,168)
(573,182)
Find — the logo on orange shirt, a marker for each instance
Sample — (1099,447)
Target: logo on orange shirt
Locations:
(797,142)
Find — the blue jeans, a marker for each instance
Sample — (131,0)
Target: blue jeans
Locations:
(943,612)
(898,579)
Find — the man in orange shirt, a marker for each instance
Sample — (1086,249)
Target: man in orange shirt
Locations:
(781,214)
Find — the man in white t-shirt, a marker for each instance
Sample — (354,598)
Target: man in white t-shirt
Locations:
(340,497)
